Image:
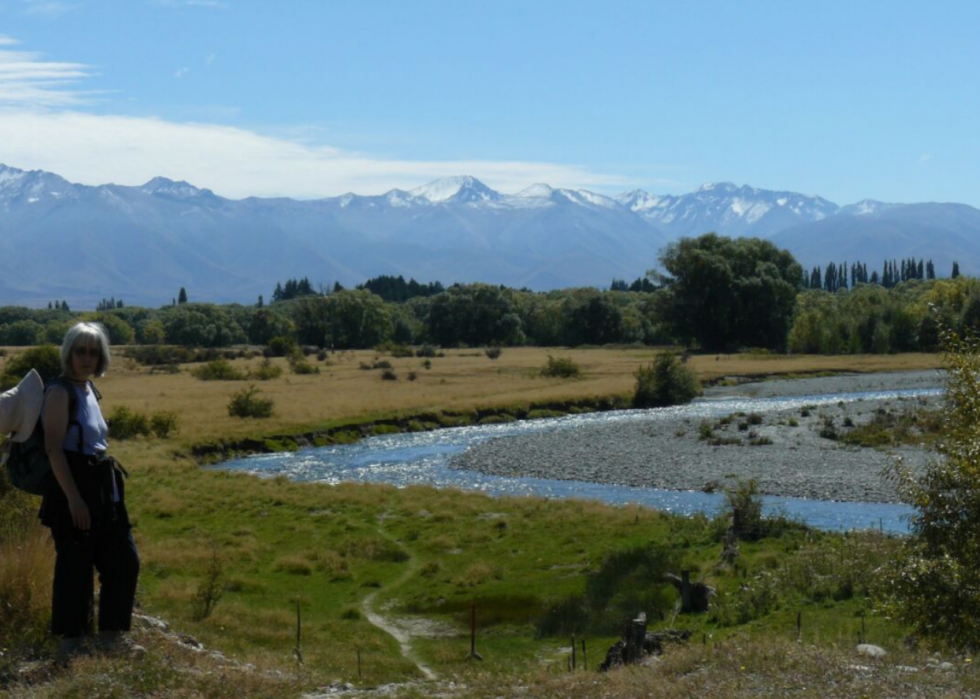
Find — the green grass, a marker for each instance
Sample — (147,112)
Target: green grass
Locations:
(330,546)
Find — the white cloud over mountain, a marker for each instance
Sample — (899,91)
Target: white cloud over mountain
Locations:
(237,163)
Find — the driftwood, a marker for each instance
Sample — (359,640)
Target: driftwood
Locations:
(695,597)
(637,643)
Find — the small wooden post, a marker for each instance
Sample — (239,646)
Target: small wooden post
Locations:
(473,654)
(359,675)
(881,525)
(299,636)
(799,626)
(862,628)
(585,656)
(574,659)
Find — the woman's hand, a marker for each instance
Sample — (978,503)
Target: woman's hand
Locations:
(79,514)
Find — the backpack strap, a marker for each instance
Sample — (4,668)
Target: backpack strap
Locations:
(73,408)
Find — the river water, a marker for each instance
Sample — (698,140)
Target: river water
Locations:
(424,458)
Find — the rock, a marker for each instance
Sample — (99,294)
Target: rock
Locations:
(870,651)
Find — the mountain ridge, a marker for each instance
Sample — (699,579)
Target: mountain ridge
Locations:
(143,242)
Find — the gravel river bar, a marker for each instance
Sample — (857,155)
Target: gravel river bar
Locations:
(782,450)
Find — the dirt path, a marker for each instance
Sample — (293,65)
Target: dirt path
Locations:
(389,626)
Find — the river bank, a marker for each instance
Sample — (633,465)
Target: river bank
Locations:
(788,452)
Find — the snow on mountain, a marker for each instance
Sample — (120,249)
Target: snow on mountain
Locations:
(463,189)
(177,189)
(453,229)
(727,209)
(867,207)
(32,186)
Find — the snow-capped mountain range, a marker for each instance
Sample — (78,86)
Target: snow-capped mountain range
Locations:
(60,240)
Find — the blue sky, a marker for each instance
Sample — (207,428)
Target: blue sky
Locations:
(315,98)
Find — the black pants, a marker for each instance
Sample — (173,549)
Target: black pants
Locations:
(109,549)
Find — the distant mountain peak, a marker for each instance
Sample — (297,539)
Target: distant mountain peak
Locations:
(725,187)
(462,189)
(536,191)
(172,188)
(868,207)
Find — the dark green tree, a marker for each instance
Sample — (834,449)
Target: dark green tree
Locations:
(731,293)
(182,296)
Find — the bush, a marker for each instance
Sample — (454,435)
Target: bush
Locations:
(164,424)
(303,367)
(126,424)
(389,375)
(281,346)
(933,584)
(46,359)
(664,382)
(561,367)
(218,370)
(493,352)
(246,403)
(425,351)
(381,364)
(266,371)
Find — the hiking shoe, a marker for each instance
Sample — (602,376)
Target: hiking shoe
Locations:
(70,648)
(118,643)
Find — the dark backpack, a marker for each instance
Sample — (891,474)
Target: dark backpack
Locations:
(28,466)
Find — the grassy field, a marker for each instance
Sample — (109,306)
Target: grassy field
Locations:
(463,379)
(421,557)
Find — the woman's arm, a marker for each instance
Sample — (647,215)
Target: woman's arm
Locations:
(55,428)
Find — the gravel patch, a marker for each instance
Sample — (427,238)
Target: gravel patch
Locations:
(784,451)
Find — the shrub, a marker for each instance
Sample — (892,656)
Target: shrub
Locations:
(246,403)
(218,370)
(829,430)
(381,364)
(746,508)
(664,382)
(425,351)
(401,351)
(427,364)
(389,375)
(933,584)
(280,346)
(126,424)
(164,424)
(46,359)
(561,367)
(210,589)
(493,352)
(266,371)
(303,367)
(412,376)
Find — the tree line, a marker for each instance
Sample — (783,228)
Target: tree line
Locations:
(714,294)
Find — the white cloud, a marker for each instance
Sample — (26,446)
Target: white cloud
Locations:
(27,80)
(49,8)
(94,149)
(181,72)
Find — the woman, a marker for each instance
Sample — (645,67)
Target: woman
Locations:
(85,508)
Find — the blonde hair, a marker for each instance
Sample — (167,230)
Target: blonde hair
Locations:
(88,334)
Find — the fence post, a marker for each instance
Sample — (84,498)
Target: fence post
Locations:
(299,636)
(574,659)
(585,656)
(473,654)
(359,675)
(799,625)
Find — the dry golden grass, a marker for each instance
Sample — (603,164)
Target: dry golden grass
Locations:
(26,570)
(463,379)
